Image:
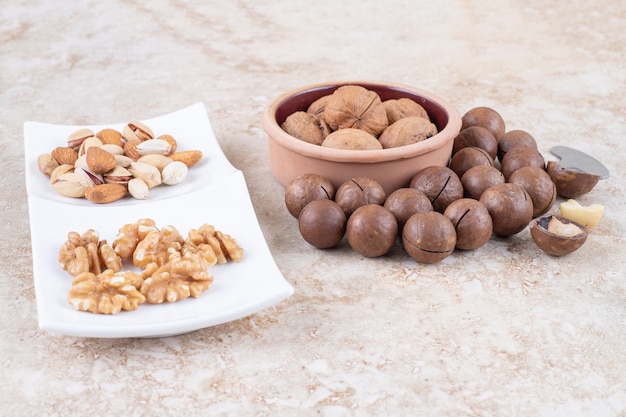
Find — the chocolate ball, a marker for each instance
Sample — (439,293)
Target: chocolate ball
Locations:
(371,230)
(472,222)
(510,207)
(440,184)
(538,184)
(477,179)
(322,223)
(405,202)
(357,192)
(428,237)
(476,136)
(469,157)
(306,188)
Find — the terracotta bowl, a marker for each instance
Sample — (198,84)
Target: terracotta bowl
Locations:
(393,168)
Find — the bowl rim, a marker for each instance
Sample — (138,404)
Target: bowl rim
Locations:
(276,133)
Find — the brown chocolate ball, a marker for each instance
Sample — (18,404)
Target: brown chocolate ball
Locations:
(476,136)
(538,184)
(306,188)
(477,179)
(510,207)
(357,192)
(469,157)
(372,230)
(405,202)
(472,222)
(520,157)
(513,139)
(429,237)
(440,184)
(485,117)
(322,223)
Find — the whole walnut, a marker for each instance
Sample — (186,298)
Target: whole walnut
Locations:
(403,107)
(307,127)
(351,138)
(353,106)
(407,131)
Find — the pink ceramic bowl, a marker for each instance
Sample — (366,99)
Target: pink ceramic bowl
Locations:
(393,168)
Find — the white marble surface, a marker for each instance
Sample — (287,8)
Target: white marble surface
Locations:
(503,330)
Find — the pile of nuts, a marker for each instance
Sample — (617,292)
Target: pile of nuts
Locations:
(107,165)
(353,117)
(172,267)
(496,183)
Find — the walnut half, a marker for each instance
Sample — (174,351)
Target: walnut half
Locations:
(106,293)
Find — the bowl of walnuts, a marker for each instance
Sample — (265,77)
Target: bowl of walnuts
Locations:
(384,131)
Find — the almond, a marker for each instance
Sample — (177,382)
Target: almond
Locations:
(189,158)
(64,155)
(110,136)
(99,160)
(105,193)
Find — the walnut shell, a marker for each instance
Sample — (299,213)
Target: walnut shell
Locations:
(403,107)
(307,127)
(407,131)
(353,106)
(351,138)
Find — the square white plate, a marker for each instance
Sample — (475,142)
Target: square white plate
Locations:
(214,192)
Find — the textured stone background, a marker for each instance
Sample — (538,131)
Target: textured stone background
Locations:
(503,330)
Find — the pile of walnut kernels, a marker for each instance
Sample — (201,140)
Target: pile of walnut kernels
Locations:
(172,267)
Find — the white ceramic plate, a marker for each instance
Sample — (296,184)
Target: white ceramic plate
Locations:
(214,192)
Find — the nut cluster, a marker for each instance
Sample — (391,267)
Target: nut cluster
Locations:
(172,267)
(355,118)
(496,183)
(107,165)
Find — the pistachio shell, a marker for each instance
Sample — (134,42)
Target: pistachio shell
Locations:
(149,173)
(87,143)
(118,175)
(123,160)
(137,131)
(71,184)
(154,146)
(174,173)
(46,164)
(60,170)
(159,161)
(113,149)
(138,189)
(76,138)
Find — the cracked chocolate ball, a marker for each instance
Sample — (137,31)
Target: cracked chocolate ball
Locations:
(472,222)
(322,223)
(440,184)
(357,192)
(306,188)
(405,202)
(371,230)
(510,207)
(429,237)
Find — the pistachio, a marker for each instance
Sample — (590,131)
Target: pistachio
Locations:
(113,149)
(169,139)
(174,173)
(138,189)
(60,170)
(123,160)
(46,164)
(134,131)
(71,184)
(154,146)
(94,177)
(149,173)
(159,161)
(81,162)
(118,175)
(75,139)
(88,143)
